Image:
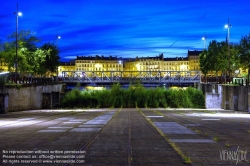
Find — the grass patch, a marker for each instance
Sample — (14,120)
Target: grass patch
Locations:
(187,160)
(197,131)
(227,144)
(216,139)
(159,113)
(51,138)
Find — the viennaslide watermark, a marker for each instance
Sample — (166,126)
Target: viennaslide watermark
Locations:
(233,155)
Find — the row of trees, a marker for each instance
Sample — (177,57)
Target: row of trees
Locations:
(31,59)
(216,57)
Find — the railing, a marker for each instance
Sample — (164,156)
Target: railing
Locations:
(223,80)
(30,80)
(130,76)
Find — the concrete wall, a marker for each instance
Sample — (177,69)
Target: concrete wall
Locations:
(32,97)
(235,98)
(213,99)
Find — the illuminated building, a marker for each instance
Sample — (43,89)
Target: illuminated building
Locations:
(3,66)
(152,64)
(193,58)
(67,66)
(98,63)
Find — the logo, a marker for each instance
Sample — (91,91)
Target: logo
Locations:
(233,155)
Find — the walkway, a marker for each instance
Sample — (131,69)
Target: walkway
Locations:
(141,137)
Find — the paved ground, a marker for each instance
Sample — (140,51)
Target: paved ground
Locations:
(143,137)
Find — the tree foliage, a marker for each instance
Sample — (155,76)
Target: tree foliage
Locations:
(216,58)
(204,62)
(244,52)
(31,59)
(52,59)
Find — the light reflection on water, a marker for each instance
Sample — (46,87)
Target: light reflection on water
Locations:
(122,86)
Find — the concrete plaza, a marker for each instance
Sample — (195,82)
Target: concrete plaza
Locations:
(112,136)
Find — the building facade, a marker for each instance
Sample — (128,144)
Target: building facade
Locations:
(193,58)
(67,67)
(98,64)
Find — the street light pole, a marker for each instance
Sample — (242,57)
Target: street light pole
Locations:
(57,38)
(16,59)
(204,38)
(228,26)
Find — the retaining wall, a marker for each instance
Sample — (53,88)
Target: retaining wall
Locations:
(31,97)
(235,98)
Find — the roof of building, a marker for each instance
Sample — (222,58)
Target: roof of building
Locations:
(194,53)
(70,63)
(159,58)
(97,57)
(176,59)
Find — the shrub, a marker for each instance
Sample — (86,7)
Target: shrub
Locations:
(134,96)
(177,98)
(196,97)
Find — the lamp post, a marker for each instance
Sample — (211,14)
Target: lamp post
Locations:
(204,39)
(16,59)
(57,38)
(228,26)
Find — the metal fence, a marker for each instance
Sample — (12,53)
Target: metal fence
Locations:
(130,76)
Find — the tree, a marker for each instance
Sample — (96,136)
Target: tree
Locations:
(234,58)
(52,58)
(1,55)
(204,65)
(214,59)
(244,52)
(31,59)
(8,55)
(26,54)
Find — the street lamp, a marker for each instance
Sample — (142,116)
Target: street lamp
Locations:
(16,59)
(204,38)
(57,38)
(228,26)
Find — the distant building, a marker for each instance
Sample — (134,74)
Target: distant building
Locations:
(193,58)
(67,66)
(176,64)
(144,64)
(153,64)
(3,66)
(98,63)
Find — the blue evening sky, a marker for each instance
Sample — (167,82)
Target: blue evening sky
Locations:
(127,28)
